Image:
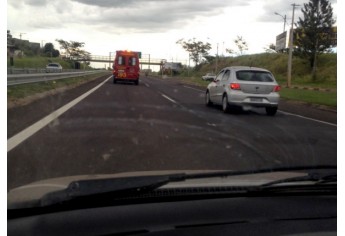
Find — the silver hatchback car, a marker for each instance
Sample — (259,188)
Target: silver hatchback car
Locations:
(53,67)
(246,87)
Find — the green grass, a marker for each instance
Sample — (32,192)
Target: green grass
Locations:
(25,90)
(310,96)
(195,80)
(40,62)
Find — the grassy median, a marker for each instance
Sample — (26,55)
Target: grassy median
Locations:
(25,90)
(310,96)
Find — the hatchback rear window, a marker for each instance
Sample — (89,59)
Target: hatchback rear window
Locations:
(258,76)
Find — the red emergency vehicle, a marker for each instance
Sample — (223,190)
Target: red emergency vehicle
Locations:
(126,67)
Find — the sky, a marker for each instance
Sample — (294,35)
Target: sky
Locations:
(152,26)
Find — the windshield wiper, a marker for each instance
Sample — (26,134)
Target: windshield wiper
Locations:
(98,187)
(114,187)
(314,177)
(266,170)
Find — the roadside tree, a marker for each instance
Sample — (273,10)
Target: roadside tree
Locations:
(73,48)
(74,52)
(241,44)
(196,49)
(313,33)
(50,51)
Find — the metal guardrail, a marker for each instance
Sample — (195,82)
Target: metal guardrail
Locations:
(11,71)
(15,79)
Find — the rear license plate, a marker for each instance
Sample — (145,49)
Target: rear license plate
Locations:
(256,99)
(122,74)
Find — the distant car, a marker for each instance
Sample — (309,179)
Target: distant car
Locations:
(53,67)
(209,77)
(245,87)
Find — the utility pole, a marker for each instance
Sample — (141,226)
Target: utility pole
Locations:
(20,35)
(291,47)
(217,61)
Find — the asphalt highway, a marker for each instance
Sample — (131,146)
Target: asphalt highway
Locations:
(162,124)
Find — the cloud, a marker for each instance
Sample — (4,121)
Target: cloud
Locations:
(111,3)
(152,15)
(21,3)
(36,2)
(173,4)
(119,15)
(283,7)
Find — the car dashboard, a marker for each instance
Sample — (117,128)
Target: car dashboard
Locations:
(209,215)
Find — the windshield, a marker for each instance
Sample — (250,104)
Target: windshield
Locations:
(158,111)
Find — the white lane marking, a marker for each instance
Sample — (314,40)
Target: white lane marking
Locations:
(147,85)
(29,131)
(199,90)
(170,99)
(307,118)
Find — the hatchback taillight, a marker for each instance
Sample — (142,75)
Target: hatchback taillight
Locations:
(276,88)
(235,86)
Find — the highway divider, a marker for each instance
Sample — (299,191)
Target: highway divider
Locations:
(15,79)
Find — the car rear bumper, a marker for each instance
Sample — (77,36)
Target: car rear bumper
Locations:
(126,79)
(130,79)
(256,100)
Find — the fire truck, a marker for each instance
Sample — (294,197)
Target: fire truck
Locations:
(126,67)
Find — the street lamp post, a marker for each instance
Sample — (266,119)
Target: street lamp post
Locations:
(291,47)
(284,18)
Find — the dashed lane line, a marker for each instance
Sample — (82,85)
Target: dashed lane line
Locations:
(168,98)
(199,90)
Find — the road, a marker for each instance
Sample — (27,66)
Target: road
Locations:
(159,125)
